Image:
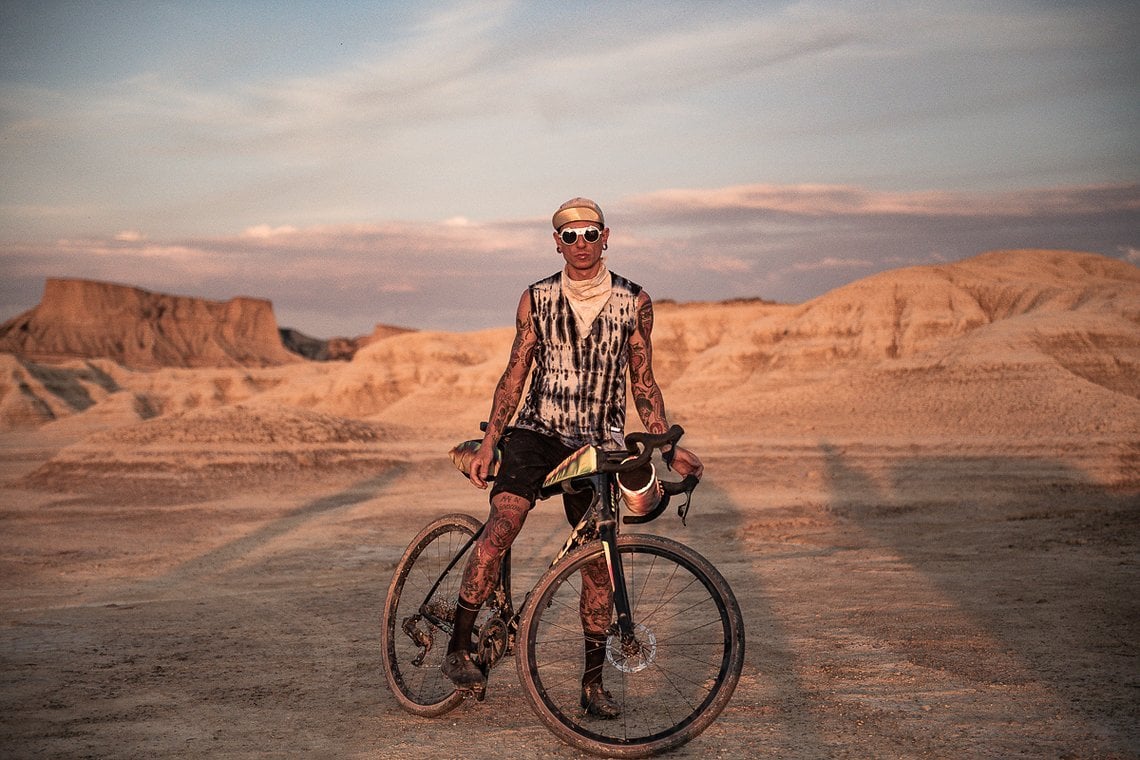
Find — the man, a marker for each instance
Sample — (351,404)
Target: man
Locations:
(580,331)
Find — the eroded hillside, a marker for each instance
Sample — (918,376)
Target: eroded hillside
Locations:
(1010,346)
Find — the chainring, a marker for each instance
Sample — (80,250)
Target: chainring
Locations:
(492,642)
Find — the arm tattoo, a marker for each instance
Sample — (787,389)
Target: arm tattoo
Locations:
(509,390)
(646,393)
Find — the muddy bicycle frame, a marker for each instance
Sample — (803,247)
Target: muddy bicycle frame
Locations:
(598,522)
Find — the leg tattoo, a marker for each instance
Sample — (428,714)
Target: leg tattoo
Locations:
(596,603)
(508,513)
(596,608)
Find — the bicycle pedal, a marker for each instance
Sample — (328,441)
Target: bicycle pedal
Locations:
(479,692)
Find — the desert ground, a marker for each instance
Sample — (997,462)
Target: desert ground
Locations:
(931,523)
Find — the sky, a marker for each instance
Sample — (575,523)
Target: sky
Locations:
(363,163)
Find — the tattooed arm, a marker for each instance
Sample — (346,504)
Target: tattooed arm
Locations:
(646,393)
(508,392)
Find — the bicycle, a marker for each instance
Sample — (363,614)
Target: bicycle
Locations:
(674,649)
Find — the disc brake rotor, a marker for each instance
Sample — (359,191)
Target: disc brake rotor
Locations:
(635,655)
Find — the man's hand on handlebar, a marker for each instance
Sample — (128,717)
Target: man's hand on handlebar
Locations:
(686,462)
(679,459)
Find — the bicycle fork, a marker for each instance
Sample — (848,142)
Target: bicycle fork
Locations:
(607,530)
(632,646)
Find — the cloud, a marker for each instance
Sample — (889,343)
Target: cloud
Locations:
(794,242)
(831,262)
(723,264)
(461,109)
(785,243)
(398,287)
(813,200)
(120,247)
(264,231)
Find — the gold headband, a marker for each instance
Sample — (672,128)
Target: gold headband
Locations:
(578,210)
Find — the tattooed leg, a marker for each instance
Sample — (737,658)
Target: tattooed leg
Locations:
(596,603)
(508,512)
(596,608)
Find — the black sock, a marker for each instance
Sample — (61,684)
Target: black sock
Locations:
(465,613)
(595,659)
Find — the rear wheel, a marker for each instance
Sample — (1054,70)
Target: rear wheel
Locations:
(414,645)
(671,678)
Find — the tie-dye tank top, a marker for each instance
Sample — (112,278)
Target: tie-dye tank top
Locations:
(577,383)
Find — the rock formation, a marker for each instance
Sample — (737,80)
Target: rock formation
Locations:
(333,349)
(81,319)
(1013,344)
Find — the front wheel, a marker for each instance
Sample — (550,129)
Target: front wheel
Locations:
(413,643)
(671,678)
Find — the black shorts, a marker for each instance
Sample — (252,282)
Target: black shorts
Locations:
(528,457)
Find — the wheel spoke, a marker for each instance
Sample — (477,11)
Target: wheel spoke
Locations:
(670,679)
(412,657)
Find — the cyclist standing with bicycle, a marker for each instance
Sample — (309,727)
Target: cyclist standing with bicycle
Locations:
(578,333)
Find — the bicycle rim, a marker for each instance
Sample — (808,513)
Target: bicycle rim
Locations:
(413,648)
(673,681)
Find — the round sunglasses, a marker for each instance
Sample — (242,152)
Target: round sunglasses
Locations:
(591,235)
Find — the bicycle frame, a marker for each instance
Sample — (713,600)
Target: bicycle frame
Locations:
(599,522)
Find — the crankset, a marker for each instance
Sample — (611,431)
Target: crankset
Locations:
(493,641)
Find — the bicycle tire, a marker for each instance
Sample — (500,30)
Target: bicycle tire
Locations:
(421,688)
(691,631)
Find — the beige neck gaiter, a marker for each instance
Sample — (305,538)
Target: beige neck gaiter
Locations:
(587,297)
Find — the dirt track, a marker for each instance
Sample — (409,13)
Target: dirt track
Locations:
(918,603)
